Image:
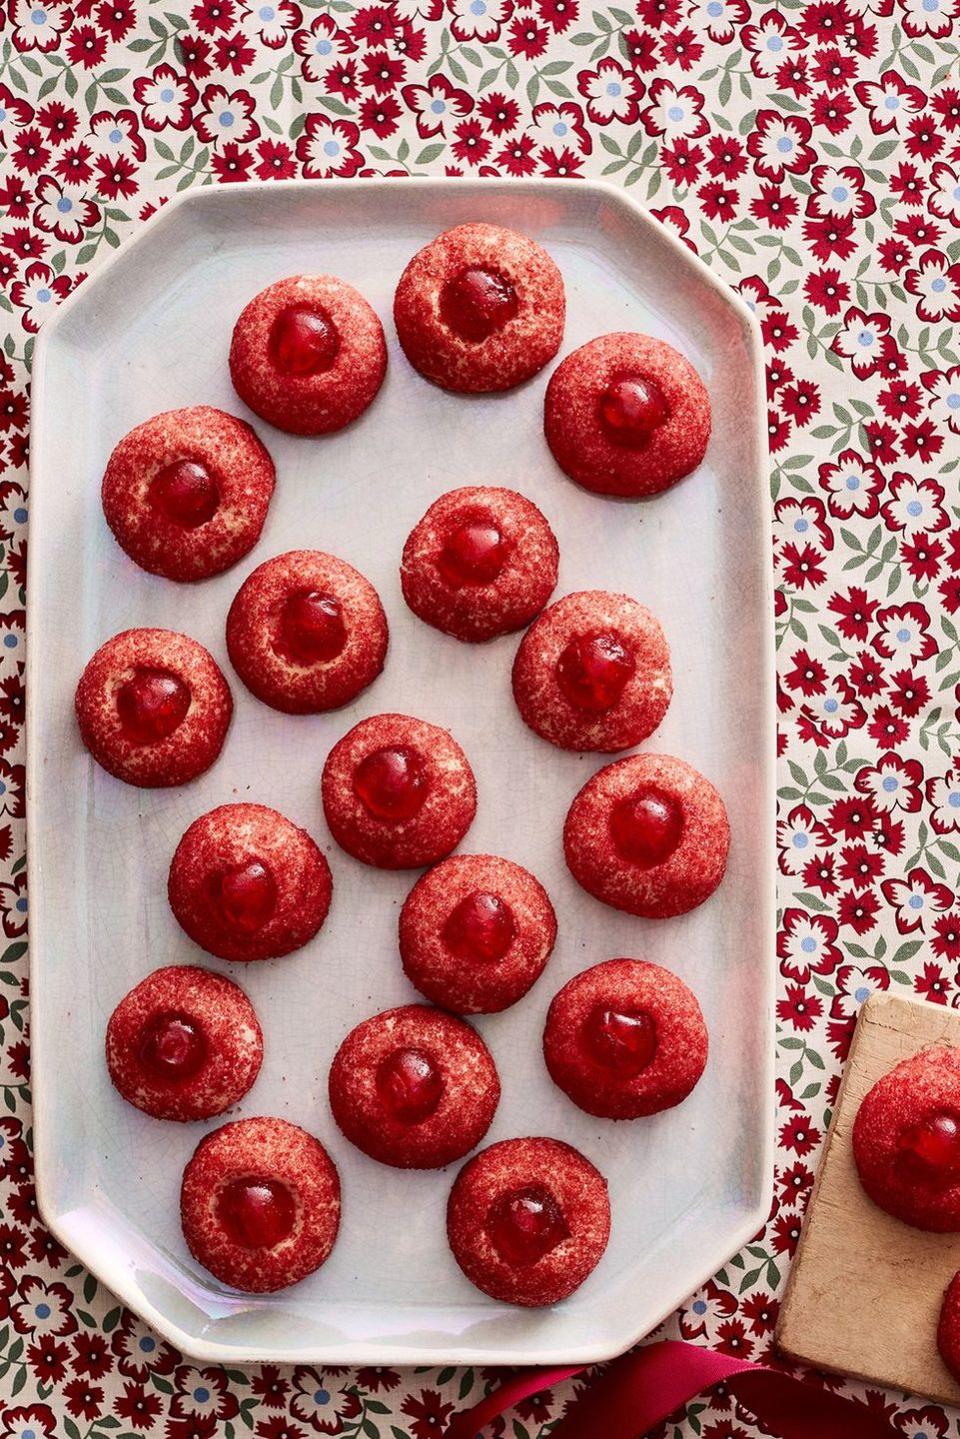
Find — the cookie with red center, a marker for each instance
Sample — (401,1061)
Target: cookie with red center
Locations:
(906,1141)
(246,883)
(413,1087)
(260,1204)
(649,835)
(627,415)
(528,1220)
(481,562)
(398,792)
(624,1039)
(480,308)
(186,493)
(476,932)
(308,354)
(593,672)
(306,632)
(184,1044)
(153,708)
(948,1329)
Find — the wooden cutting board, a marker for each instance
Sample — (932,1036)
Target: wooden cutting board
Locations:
(865,1290)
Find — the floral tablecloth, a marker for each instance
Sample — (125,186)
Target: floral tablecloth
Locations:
(810,152)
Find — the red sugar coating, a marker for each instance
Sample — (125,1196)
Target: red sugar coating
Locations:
(350,372)
(438,783)
(413,1087)
(948,1329)
(306,632)
(906,1141)
(188,523)
(246,883)
(593,672)
(696,855)
(298,1215)
(523,336)
(476,932)
(580,442)
(481,562)
(192,709)
(184,1044)
(560,1238)
(624,1039)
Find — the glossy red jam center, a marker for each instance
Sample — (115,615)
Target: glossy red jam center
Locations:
(185,493)
(151,704)
(473,554)
(631,408)
(410,1085)
(303,340)
(391,783)
(245,894)
(525,1224)
(932,1147)
(256,1213)
(593,671)
(477,303)
(480,927)
(621,1040)
(646,828)
(311,627)
(172,1046)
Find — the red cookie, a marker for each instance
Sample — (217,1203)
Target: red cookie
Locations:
(593,672)
(246,883)
(948,1330)
(481,562)
(184,1044)
(308,354)
(153,708)
(186,493)
(648,834)
(413,1087)
(476,932)
(306,632)
(260,1204)
(625,1038)
(398,792)
(528,1220)
(626,415)
(906,1141)
(480,308)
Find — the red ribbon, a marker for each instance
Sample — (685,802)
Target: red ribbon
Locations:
(643,1388)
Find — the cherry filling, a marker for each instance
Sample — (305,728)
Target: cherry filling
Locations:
(151,704)
(245,894)
(630,410)
(311,627)
(391,783)
(525,1224)
(480,927)
(932,1148)
(593,671)
(172,1046)
(303,340)
(477,303)
(621,1040)
(473,554)
(185,493)
(410,1085)
(647,827)
(256,1213)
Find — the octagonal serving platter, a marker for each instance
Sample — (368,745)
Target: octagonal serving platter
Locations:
(150,331)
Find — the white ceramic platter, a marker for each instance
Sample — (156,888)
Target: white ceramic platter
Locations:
(149,332)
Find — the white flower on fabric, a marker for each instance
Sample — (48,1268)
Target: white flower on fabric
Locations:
(944,197)
(944,400)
